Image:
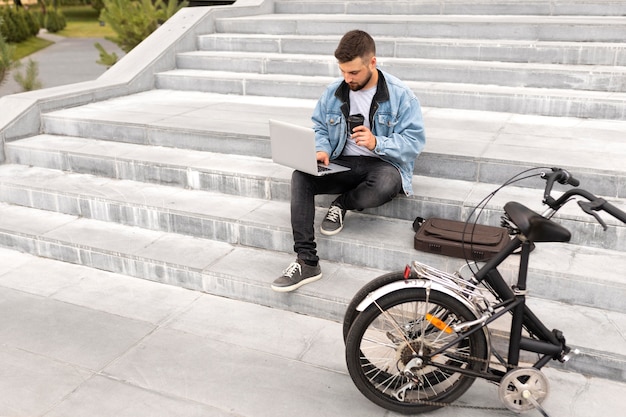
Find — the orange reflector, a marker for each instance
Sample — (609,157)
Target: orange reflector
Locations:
(438,323)
(407,272)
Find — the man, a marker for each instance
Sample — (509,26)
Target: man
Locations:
(380,154)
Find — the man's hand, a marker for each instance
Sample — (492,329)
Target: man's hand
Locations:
(363,137)
(323,157)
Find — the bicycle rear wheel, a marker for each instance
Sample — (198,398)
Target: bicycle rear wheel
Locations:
(387,342)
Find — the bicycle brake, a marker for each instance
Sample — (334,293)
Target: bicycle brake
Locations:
(591,208)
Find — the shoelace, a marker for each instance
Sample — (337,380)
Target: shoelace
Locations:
(334,214)
(292,268)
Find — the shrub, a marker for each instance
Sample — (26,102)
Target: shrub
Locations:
(8,26)
(30,79)
(55,21)
(98,5)
(135,20)
(6,58)
(32,22)
(17,24)
(106,59)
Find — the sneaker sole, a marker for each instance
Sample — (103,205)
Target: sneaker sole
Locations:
(298,285)
(331,232)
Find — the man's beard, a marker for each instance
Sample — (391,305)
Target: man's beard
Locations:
(357,87)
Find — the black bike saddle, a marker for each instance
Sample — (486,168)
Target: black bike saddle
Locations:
(534,226)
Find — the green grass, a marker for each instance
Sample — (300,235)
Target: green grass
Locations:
(86,30)
(84,22)
(79,13)
(29,46)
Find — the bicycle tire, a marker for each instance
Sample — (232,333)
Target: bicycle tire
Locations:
(384,338)
(373,285)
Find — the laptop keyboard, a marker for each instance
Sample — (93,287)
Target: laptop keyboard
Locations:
(321,168)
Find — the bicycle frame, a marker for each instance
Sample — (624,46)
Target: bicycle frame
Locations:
(548,343)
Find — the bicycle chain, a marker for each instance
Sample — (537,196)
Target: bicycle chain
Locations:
(472,407)
(453,405)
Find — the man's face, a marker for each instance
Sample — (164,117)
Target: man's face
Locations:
(358,72)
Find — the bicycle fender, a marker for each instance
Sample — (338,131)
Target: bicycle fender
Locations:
(412,283)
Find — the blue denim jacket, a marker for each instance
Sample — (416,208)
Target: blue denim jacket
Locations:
(395,117)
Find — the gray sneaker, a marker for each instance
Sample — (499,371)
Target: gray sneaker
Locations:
(333,222)
(296,275)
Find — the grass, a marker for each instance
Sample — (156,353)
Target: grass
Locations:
(86,30)
(82,22)
(29,46)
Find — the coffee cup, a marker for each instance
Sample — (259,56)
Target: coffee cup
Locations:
(354,120)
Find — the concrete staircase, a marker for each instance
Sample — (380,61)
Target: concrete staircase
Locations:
(175,184)
(433,49)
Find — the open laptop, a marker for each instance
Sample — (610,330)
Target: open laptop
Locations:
(294,146)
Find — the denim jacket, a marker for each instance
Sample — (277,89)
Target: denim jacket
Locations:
(395,117)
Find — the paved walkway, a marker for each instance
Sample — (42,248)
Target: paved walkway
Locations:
(67,61)
(82,342)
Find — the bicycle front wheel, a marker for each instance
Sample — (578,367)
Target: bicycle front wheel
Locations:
(387,345)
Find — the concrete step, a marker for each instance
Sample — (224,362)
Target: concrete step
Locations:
(542,28)
(520,100)
(475,146)
(244,273)
(220,268)
(181,119)
(434,7)
(368,240)
(500,50)
(260,178)
(465,61)
(570,77)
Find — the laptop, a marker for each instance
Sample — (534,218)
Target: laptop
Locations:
(294,146)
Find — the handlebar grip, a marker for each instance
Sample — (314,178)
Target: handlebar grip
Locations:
(564,177)
(614,211)
(573,181)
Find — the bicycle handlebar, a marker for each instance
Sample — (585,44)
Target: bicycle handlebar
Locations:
(562,177)
(591,207)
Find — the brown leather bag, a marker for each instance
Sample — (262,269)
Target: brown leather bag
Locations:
(459,239)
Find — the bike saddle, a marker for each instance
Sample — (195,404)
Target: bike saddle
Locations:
(534,226)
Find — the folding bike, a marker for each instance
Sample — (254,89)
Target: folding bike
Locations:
(416,340)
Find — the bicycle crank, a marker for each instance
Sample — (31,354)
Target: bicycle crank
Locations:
(524,389)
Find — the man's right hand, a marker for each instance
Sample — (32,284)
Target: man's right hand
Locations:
(323,157)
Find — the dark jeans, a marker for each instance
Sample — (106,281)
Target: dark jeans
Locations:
(371,182)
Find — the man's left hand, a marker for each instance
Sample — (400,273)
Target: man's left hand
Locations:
(363,137)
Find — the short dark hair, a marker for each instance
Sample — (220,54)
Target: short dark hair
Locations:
(355,44)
